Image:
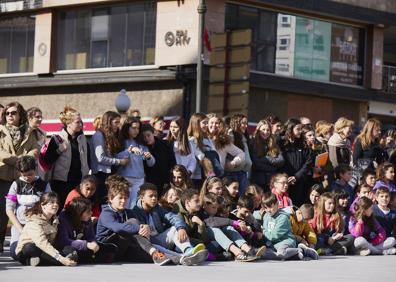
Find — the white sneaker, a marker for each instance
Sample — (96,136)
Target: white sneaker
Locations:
(34,261)
(390,251)
(364,252)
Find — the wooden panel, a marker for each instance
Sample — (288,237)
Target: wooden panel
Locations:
(315,108)
(237,38)
(237,55)
(234,88)
(238,72)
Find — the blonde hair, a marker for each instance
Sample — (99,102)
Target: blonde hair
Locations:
(366,135)
(68,115)
(341,123)
(97,122)
(323,128)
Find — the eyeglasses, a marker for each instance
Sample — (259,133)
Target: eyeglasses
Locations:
(13,113)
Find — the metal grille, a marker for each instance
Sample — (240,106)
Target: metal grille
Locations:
(389,79)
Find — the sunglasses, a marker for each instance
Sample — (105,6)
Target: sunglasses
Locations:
(13,113)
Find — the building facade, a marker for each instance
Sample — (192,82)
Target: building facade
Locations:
(322,59)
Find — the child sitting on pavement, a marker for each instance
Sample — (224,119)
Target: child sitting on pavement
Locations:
(302,230)
(117,225)
(222,230)
(166,228)
(277,230)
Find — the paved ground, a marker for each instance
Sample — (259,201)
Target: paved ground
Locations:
(334,269)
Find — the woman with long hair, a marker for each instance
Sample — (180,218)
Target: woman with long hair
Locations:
(266,155)
(208,160)
(367,145)
(298,161)
(105,144)
(138,155)
(240,138)
(177,138)
(16,139)
(36,243)
(230,155)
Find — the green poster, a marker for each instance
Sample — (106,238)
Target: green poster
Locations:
(312,49)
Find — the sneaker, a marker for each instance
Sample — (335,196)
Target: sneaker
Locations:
(341,251)
(245,257)
(324,252)
(194,259)
(194,250)
(73,256)
(308,252)
(159,258)
(258,252)
(34,261)
(390,251)
(364,252)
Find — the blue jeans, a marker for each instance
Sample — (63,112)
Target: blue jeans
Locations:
(225,236)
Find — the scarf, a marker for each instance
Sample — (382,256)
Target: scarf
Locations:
(17,134)
(283,199)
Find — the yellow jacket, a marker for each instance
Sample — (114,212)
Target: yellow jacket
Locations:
(302,230)
(40,231)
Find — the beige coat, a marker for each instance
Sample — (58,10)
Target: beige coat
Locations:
(8,155)
(61,167)
(41,232)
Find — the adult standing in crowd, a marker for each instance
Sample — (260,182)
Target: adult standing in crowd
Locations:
(105,143)
(16,139)
(70,160)
(35,118)
(367,150)
(340,150)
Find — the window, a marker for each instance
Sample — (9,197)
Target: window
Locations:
(109,36)
(17,44)
(301,47)
(283,44)
(263,26)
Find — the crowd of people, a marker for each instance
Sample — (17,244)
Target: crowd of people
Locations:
(203,190)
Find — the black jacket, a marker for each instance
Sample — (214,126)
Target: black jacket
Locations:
(159,174)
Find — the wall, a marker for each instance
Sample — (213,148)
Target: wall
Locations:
(92,102)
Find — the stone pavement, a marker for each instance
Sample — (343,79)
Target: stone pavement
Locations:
(334,269)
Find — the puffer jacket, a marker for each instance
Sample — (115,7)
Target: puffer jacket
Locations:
(8,155)
(61,167)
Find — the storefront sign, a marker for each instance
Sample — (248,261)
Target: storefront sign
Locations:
(178,38)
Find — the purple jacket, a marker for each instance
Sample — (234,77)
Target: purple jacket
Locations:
(69,236)
(390,186)
(358,228)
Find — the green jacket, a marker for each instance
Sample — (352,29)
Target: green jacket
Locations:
(196,232)
(277,228)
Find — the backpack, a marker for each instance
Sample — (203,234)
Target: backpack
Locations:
(48,153)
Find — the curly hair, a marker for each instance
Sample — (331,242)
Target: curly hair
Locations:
(220,138)
(235,125)
(68,115)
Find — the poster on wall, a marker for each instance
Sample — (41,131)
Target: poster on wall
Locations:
(346,59)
